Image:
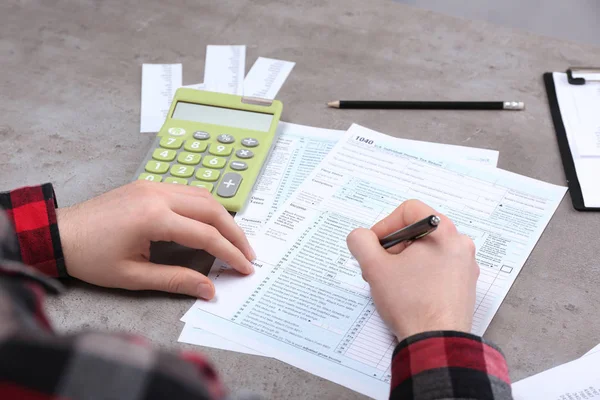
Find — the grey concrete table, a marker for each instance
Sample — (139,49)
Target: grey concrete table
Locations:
(70,87)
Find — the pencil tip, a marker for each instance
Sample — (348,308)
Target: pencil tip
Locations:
(334,104)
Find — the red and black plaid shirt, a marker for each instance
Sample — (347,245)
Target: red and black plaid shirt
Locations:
(37,364)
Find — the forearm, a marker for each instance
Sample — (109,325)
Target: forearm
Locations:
(449,365)
(36,363)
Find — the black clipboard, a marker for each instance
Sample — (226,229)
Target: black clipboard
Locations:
(563,145)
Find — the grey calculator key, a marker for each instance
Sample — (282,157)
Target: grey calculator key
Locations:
(225,138)
(250,142)
(243,153)
(200,135)
(238,165)
(229,185)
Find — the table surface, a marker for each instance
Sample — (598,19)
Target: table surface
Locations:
(71,73)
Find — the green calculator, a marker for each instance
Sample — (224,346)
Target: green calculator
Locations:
(213,140)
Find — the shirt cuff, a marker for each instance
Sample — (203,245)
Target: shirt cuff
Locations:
(448,364)
(32,211)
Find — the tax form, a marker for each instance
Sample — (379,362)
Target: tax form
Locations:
(307,305)
(300,148)
(296,153)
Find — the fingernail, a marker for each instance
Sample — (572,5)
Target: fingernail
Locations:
(205,291)
(250,268)
(252,254)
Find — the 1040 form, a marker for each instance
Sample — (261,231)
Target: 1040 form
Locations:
(307,304)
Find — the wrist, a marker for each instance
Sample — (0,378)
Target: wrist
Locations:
(65,227)
(403,331)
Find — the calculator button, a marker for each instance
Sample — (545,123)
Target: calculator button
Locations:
(176,180)
(188,158)
(182,171)
(243,153)
(164,155)
(220,149)
(250,142)
(176,131)
(206,174)
(229,185)
(195,145)
(171,142)
(238,165)
(225,138)
(150,177)
(157,167)
(214,162)
(201,135)
(205,185)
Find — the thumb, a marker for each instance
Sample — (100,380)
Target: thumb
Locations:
(170,278)
(364,246)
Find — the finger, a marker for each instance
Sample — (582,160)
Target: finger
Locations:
(408,213)
(197,235)
(169,189)
(144,275)
(399,248)
(364,246)
(208,210)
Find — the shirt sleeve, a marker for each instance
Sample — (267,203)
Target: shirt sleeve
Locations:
(32,212)
(449,365)
(35,363)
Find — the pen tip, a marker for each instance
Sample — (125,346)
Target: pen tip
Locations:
(334,104)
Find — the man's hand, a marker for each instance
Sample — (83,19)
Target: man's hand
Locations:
(106,240)
(425,286)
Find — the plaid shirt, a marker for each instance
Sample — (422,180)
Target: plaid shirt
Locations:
(37,364)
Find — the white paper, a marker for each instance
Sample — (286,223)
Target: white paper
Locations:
(200,337)
(306,303)
(266,77)
(584,118)
(592,351)
(300,148)
(159,83)
(197,86)
(297,151)
(224,69)
(586,167)
(577,380)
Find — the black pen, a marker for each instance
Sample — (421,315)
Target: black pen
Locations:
(415,231)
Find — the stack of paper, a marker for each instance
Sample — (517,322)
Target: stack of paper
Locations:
(307,304)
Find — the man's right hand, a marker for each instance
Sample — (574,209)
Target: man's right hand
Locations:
(428,285)
(106,240)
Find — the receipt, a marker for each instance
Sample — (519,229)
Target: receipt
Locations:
(266,77)
(224,69)
(307,304)
(159,83)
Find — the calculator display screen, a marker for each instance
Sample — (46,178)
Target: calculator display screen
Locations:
(223,116)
